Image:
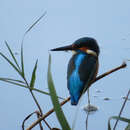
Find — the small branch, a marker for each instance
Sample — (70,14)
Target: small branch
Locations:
(122,109)
(111,71)
(52,110)
(27,119)
(47,114)
(40,123)
(35,100)
(66,100)
(38,115)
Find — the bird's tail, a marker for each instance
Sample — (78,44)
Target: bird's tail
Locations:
(75,99)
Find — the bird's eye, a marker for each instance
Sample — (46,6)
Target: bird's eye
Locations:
(73,45)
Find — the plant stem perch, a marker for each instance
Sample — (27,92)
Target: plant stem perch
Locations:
(67,99)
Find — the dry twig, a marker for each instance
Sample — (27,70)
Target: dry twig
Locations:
(67,99)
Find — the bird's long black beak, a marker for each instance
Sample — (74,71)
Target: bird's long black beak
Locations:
(65,48)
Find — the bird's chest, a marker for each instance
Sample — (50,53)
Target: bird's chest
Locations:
(78,61)
(73,74)
(80,67)
(74,64)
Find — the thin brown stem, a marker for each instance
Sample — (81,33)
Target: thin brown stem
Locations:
(27,119)
(38,116)
(47,114)
(111,71)
(41,113)
(52,110)
(34,98)
(67,99)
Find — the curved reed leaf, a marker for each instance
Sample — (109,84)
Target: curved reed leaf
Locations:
(35,23)
(11,63)
(128,127)
(117,118)
(22,84)
(13,80)
(59,113)
(22,61)
(12,55)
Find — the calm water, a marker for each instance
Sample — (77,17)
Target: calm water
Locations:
(65,22)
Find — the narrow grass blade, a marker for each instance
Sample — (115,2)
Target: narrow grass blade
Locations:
(13,80)
(35,23)
(128,127)
(46,93)
(117,118)
(33,26)
(12,55)
(22,61)
(59,113)
(19,83)
(22,84)
(33,76)
(11,63)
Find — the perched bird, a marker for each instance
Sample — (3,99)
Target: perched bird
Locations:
(82,67)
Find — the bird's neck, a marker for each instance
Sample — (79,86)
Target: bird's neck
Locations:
(88,51)
(91,52)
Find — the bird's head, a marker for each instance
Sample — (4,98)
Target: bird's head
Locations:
(85,44)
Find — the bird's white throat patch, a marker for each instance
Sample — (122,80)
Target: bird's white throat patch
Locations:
(91,52)
(74,52)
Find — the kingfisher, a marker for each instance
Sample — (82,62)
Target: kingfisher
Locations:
(82,67)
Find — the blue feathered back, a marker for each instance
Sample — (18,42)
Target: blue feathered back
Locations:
(81,70)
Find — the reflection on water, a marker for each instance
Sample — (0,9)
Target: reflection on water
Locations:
(90,108)
(108,107)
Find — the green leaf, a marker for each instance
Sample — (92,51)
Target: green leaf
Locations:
(59,113)
(12,55)
(128,127)
(35,23)
(13,80)
(117,118)
(46,93)
(11,63)
(22,84)
(33,76)
(32,26)
(22,61)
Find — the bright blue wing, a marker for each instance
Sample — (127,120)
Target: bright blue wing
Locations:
(81,70)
